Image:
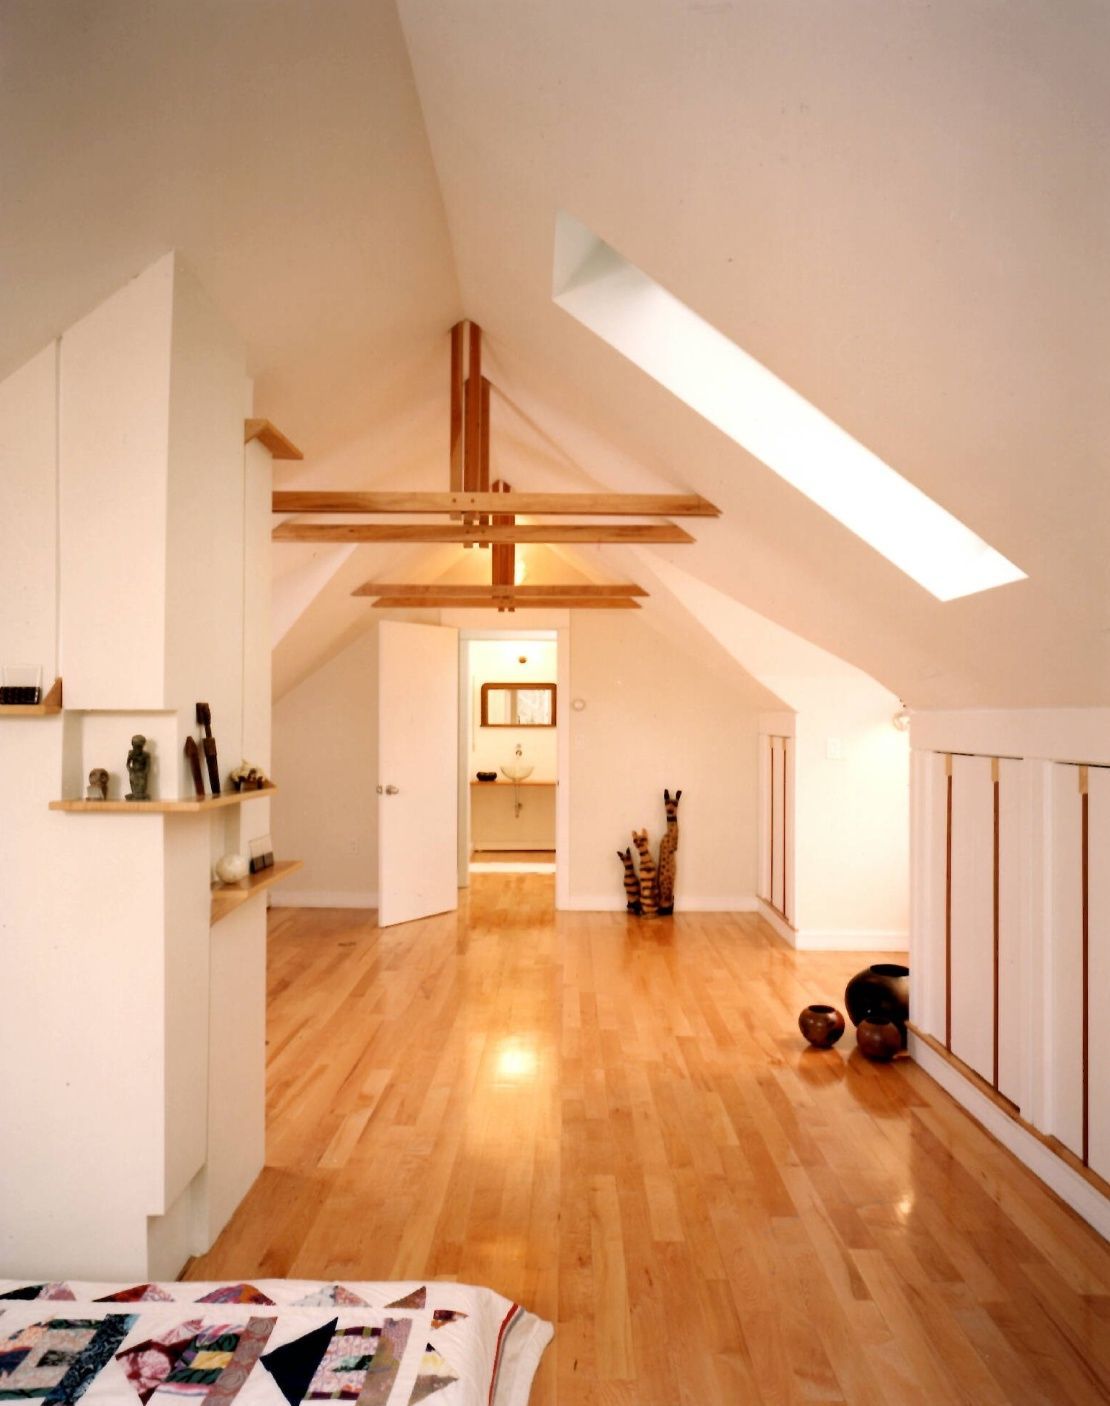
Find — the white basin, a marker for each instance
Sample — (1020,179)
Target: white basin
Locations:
(518,772)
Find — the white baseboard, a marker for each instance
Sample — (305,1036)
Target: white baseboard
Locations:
(850,940)
(831,939)
(322,898)
(607,903)
(774,919)
(1080,1195)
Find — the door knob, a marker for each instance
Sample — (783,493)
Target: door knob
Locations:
(391,790)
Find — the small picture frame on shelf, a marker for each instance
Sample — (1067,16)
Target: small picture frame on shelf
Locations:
(262,854)
(21,684)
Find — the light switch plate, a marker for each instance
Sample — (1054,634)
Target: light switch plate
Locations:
(834,749)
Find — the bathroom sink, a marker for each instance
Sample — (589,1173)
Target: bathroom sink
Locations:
(518,772)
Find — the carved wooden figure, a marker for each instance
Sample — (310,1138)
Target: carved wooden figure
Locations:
(631,882)
(649,902)
(668,848)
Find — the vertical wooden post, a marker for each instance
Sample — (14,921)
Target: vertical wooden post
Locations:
(483,447)
(472,408)
(456,410)
(503,563)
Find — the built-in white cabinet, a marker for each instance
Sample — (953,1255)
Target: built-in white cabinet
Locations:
(1010,947)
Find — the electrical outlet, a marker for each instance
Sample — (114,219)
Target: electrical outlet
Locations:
(834,749)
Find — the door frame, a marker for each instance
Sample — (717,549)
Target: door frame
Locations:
(561,635)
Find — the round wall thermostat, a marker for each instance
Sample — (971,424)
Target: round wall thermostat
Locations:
(577,704)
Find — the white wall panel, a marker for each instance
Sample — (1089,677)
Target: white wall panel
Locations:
(1012,1033)
(28,517)
(973,913)
(1098,786)
(929,829)
(777,793)
(1065,994)
(113,448)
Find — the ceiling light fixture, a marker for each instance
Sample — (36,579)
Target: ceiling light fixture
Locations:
(715,377)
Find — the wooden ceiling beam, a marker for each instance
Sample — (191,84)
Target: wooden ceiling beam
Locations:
(505,603)
(531,532)
(529,504)
(480,592)
(279,445)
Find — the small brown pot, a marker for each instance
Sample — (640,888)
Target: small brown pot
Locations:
(821,1025)
(878,1039)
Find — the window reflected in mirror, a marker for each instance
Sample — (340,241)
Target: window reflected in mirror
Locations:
(518,705)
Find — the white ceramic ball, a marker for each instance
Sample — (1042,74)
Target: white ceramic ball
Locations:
(231,868)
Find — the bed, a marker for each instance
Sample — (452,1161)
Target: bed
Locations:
(267,1342)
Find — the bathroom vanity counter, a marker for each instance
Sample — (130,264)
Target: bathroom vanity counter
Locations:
(504,781)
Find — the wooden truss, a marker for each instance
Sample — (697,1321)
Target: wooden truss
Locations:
(480,516)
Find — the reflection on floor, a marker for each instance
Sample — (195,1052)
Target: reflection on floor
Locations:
(615,1122)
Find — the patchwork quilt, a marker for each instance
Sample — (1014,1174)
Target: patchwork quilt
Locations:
(273,1342)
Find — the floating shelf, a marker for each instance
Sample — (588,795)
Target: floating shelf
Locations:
(185,807)
(227,897)
(51,703)
(267,434)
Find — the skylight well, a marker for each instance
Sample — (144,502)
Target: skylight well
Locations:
(713,376)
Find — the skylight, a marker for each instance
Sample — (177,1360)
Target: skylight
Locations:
(713,376)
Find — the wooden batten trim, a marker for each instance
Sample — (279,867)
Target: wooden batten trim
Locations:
(996,892)
(504,602)
(1012,1111)
(479,592)
(456,423)
(530,504)
(1085,883)
(948,909)
(465,533)
(271,438)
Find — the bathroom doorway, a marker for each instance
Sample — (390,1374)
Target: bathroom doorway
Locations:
(510,709)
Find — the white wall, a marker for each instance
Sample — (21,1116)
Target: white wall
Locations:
(498,661)
(654,719)
(325,748)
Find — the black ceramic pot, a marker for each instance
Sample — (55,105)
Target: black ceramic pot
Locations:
(879,1039)
(821,1025)
(882,992)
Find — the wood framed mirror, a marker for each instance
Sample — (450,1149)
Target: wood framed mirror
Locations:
(518,705)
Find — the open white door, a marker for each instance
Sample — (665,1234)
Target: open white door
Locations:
(418,691)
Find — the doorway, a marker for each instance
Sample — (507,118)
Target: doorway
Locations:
(510,709)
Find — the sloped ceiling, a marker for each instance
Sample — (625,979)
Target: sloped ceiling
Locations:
(902,210)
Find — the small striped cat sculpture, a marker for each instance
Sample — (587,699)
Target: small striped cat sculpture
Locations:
(649,902)
(631,882)
(668,848)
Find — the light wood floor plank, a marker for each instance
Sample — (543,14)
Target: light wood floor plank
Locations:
(616,1123)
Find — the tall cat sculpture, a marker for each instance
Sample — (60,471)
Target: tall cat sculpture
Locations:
(649,902)
(668,848)
(631,882)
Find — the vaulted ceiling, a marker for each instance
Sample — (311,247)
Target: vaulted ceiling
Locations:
(903,211)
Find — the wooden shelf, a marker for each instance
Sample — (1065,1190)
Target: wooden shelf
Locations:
(185,807)
(51,703)
(268,435)
(503,781)
(227,897)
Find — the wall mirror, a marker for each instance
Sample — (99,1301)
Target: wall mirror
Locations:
(518,705)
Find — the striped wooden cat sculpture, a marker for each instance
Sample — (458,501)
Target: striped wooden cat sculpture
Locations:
(668,848)
(631,882)
(649,902)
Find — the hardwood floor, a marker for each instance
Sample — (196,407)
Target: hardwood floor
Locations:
(617,1124)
